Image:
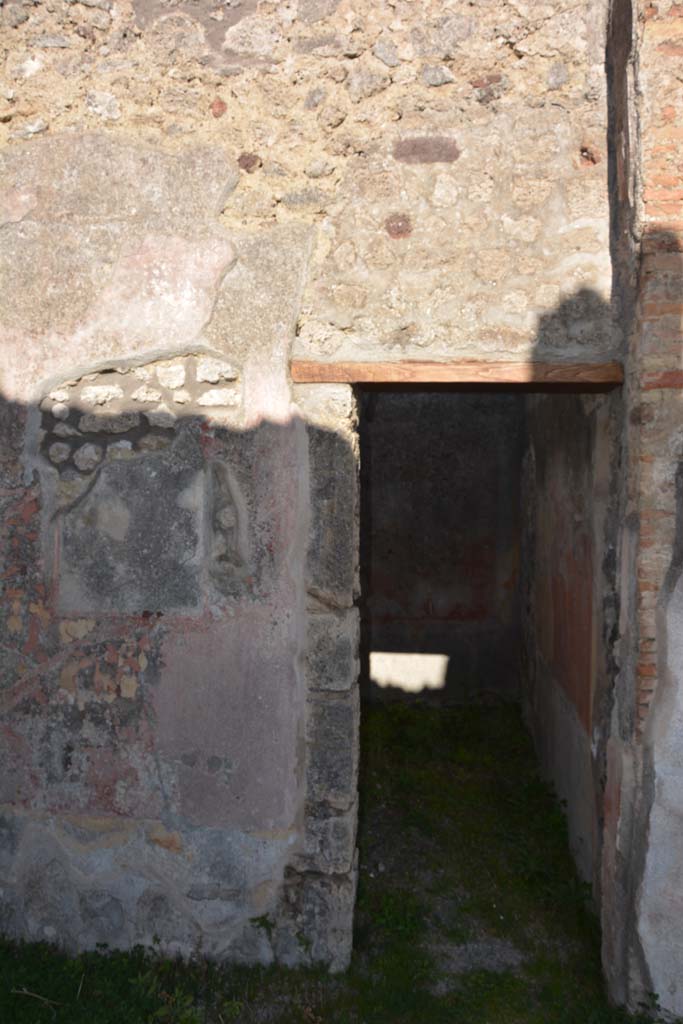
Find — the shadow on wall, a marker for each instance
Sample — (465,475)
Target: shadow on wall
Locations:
(156,558)
(582,322)
(442,622)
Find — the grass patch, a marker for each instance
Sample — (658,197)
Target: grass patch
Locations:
(469,909)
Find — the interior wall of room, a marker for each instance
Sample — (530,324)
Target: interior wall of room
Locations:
(440,533)
(569,607)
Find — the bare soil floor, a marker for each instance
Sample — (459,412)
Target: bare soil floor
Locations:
(469,909)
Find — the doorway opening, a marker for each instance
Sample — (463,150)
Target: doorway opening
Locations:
(440,544)
(487,539)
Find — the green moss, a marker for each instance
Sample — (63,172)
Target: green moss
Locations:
(461,845)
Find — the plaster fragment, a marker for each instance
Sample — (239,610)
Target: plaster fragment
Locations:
(129,687)
(75,629)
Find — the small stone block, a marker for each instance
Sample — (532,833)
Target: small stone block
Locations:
(115,423)
(146,394)
(59,452)
(87,457)
(101,394)
(214,370)
(171,375)
(219,396)
(161,416)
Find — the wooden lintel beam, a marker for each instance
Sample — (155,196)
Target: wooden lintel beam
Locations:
(470,371)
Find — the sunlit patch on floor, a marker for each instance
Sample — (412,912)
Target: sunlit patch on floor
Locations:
(411,673)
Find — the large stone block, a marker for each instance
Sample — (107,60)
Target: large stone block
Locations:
(329,841)
(331,566)
(315,921)
(110,248)
(327,405)
(103,917)
(332,772)
(332,651)
(257,305)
